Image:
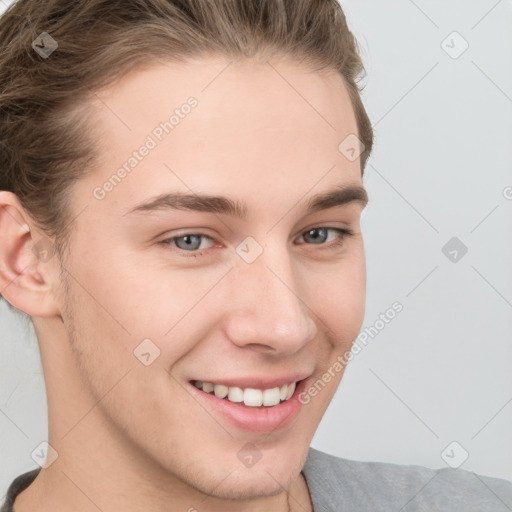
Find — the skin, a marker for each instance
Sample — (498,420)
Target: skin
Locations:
(131,437)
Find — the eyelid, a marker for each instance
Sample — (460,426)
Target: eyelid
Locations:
(342,234)
(168,241)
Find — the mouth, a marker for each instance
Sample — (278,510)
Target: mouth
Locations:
(252,405)
(250,397)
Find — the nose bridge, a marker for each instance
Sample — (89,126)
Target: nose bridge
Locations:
(269,308)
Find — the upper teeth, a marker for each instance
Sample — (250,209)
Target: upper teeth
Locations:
(249,396)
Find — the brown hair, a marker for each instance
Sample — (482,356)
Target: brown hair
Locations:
(45,140)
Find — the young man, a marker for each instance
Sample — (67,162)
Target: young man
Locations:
(180,218)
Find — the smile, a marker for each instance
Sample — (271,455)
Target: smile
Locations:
(251,397)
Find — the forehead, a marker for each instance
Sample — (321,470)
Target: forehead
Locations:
(253,125)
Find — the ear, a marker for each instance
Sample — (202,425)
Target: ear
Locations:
(28,262)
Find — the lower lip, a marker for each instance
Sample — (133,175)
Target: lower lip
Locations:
(254,419)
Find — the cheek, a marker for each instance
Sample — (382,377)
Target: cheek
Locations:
(339,299)
(141,397)
(133,297)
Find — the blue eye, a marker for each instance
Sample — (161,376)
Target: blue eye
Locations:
(191,242)
(316,238)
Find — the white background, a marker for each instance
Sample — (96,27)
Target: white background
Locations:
(440,370)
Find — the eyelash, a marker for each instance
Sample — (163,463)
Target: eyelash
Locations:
(342,232)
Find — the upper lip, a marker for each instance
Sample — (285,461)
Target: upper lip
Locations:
(257,382)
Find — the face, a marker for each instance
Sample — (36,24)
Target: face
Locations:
(168,297)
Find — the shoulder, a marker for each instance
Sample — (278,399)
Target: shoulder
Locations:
(374,486)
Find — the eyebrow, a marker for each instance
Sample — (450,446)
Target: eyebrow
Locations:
(339,196)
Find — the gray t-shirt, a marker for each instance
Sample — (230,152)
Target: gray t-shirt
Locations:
(337,485)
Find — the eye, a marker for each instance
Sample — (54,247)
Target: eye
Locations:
(319,235)
(190,242)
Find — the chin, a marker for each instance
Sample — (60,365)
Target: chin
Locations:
(218,479)
(250,484)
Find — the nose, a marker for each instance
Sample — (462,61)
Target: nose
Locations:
(269,311)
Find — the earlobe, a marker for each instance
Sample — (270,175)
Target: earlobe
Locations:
(26,264)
